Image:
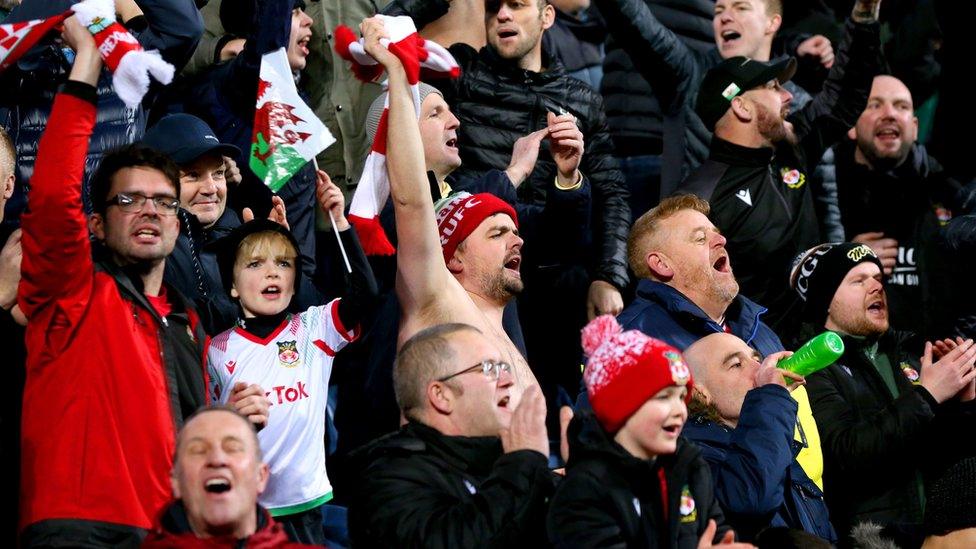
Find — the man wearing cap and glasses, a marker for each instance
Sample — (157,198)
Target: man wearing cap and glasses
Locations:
(206,166)
(467,466)
(755,178)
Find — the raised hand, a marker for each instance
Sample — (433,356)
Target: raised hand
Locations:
(603,299)
(331,199)
(818,47)
(527,430)
(373,30)
(566,145)
(232,173)
(885,248)
(88,63)
(277,213)
(525,153)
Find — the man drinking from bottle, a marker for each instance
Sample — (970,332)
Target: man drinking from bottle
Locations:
(742,417)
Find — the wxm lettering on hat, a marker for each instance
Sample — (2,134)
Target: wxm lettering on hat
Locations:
(860,252)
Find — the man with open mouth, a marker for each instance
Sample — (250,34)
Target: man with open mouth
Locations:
(218,473)
(512,88)
(895,197)
(756,179)
(469,465)
(115,355)
(688,291)
(893,405)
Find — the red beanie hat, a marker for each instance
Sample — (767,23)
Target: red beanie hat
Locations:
(625,369)
(459,215)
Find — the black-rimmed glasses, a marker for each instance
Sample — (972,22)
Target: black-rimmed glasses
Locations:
(491,369)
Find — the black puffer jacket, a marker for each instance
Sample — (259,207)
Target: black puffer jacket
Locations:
(641,112)
(171,27)
(419,488)
(497,103)
(612,499)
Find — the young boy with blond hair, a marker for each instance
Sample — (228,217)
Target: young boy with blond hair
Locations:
(288,357)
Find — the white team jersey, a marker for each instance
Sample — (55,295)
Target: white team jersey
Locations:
(292,365)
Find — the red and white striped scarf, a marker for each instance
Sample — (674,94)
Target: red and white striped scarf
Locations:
(131,66)
(418,56)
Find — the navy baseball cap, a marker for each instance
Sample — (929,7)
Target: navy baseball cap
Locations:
(184,138)
(732,77)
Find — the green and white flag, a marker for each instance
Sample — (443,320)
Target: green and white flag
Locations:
(287,134)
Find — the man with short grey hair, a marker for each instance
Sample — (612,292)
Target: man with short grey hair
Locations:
(218,473)
(474,469)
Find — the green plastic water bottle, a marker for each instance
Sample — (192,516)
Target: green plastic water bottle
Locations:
(814,355)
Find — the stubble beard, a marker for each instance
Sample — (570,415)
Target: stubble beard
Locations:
(774,127)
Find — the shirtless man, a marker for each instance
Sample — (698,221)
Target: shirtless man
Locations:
(476,272)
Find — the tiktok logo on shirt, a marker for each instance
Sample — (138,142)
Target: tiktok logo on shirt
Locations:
(282,394)
(905,272)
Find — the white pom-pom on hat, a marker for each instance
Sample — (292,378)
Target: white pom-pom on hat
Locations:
(600,330)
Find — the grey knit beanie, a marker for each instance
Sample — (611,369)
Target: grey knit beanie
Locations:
(376,109)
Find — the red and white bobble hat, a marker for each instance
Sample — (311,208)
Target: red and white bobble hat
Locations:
(626,369)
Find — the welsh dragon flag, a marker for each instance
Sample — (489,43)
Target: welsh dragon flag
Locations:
(287,134)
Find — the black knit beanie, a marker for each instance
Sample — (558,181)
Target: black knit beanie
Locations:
(817,273)
(950,504)
(227,247)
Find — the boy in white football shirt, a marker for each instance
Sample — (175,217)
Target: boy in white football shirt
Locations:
(287,355)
